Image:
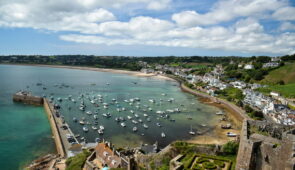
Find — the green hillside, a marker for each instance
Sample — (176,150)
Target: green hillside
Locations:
(285,73)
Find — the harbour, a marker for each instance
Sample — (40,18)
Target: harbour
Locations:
(121,136)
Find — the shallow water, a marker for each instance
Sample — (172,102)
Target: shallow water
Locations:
(25,130)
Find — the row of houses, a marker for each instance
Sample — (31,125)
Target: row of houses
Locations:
(279,113)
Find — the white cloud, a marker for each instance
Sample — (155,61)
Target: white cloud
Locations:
(287,26)
(93,22)
(285,13)
(226,10)
(246,35)
(158,4)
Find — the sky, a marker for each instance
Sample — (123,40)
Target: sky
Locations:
(148,27)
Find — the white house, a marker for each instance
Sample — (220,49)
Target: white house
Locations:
(248,66)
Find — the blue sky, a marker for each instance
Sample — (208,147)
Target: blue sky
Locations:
(148,27)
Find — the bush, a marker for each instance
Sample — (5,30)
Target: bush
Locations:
(230,148)
(202,159)
(209,165)
(220,164)
(197,167)
(77,162)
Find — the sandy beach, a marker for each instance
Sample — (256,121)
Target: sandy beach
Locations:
(132,73)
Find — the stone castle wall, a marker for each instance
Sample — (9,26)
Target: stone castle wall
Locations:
(272,152)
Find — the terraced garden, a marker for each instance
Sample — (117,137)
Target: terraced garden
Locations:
(206,162)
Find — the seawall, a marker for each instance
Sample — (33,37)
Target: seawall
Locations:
(57,137)
(239,113)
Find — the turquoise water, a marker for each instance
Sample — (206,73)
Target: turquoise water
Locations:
(25,132)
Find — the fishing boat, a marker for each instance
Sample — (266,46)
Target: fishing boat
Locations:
(94,128)
(191,132)
(123,124)
(85,129)
(163,135)
(134,129)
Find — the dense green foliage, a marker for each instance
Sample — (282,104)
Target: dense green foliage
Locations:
(231,94)
(77,162)
(230,148)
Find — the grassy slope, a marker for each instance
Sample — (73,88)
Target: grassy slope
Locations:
(285,73)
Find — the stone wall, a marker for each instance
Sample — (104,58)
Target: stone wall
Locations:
(274,151)
(34,100)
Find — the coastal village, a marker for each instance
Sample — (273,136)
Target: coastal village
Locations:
(273,106)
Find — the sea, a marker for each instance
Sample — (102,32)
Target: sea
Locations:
(25,131)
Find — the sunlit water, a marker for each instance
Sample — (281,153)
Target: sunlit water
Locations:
(25,131)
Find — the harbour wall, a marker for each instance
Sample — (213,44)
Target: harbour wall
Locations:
(28,99)
(57,136)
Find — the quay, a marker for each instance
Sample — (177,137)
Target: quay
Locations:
(60,129)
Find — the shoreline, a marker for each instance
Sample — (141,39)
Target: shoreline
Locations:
(117,71)
(217,137)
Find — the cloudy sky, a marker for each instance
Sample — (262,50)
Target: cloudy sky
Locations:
(148,27)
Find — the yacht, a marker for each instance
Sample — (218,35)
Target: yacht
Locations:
(75,119)
(123,124)
(95,117)
(129,117)
(158,124)
(89,112)
(101,127)
(134,129)
(85,129)
(100,131)
(191,132)
(82,122)
(134,121)
(163,135)
(152,100)
(145,126)
(94,128)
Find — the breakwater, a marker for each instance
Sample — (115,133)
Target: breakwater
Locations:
(55,129)
(27,98)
